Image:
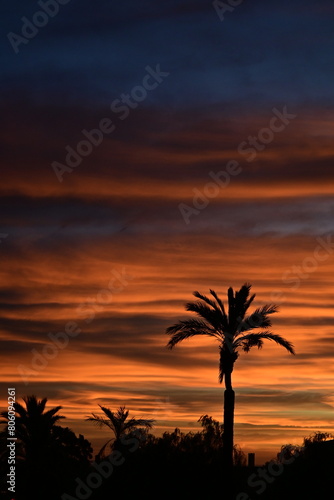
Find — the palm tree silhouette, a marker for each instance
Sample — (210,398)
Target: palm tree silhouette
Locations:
(35,429)
(34,425)
(230,329)
(119,424)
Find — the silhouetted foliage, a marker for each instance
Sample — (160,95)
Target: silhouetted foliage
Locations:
(148,466)
(48,455)
(208,443)
(120,425)
(299,471)
(191,461)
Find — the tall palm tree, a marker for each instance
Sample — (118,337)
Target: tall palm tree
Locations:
(119,424)
(231,329)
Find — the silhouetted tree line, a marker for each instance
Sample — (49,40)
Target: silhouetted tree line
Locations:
(302,472)
(53,463)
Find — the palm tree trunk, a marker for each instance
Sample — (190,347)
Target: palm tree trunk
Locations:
(229,399)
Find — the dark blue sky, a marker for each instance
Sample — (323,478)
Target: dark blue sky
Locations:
(91,52)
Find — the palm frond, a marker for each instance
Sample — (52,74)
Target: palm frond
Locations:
(189,324)
(180,336)
(258,319)
(231,308)
(241,297)
(119,415)
(41,404)
(249,301)
(220,303)
(189,328)
(206,299)
(20,410)
(95,418)
(139,422)
(255,339)
(212,316)
(99,421)
(242,302)
(51,414)
(33,405)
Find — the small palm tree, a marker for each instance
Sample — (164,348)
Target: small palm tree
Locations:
(34,425)
(119,424)
(231,329)
(36,429)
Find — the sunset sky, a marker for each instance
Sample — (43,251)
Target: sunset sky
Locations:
(214,167)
